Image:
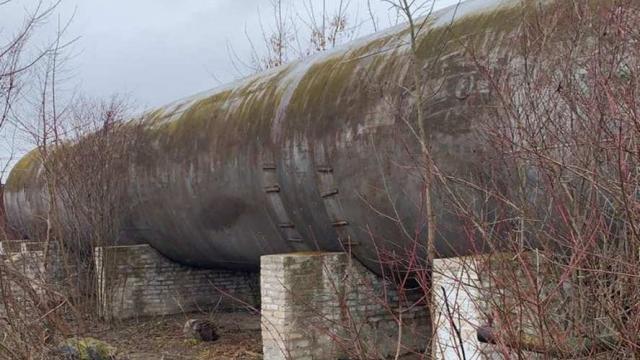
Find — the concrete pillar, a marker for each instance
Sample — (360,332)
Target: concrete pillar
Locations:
(458,310)
(298,290)
(469,290)
(328,306)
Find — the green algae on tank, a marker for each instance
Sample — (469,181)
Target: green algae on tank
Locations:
(26,169)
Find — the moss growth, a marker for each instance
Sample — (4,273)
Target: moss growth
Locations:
(468,32)
(331,93)
(87,349)
(25,170)
(341,89)
(321,90)
(154,116)
(191,342)
(241,114)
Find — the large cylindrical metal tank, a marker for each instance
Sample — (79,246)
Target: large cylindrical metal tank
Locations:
(319,154)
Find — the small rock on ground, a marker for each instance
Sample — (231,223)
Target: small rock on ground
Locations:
(199,329)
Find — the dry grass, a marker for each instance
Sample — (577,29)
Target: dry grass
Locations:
(162,338)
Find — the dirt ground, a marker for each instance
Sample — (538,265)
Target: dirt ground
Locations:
(161,338)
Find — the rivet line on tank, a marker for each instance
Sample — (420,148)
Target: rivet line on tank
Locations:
(348,242)
(329,193)
(272,189)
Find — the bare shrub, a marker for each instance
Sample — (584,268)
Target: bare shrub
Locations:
(299,30)
(84,190)
(559,175)
(554,101)
(567,127)
(91,176)
(30,306)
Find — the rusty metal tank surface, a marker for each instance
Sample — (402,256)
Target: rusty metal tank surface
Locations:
(314,155)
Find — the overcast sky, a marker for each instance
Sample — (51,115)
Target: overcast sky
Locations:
(157,51)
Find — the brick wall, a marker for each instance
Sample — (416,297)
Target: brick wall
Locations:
(138,281)
(328,306)
(25,264)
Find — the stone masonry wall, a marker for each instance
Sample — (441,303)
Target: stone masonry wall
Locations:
(135,281)
(25,264)
(28,276)
(328,306)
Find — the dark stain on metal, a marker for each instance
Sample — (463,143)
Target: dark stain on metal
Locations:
(222,213)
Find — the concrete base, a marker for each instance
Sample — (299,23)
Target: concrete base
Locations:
(328,306)
(458,310)
(137,281)
(500,290)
